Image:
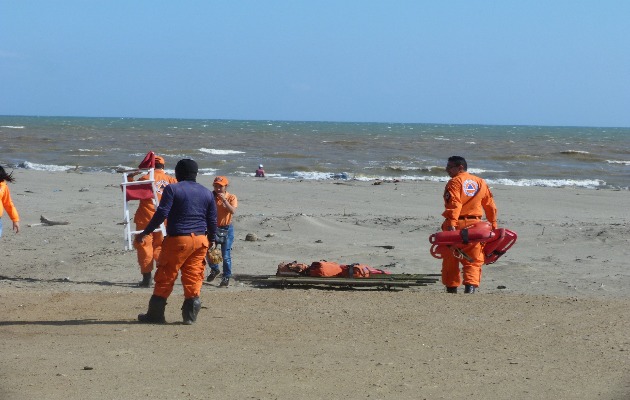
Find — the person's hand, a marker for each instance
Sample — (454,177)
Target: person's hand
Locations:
(16,226)
(140,238)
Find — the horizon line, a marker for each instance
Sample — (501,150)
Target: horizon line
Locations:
(318,121)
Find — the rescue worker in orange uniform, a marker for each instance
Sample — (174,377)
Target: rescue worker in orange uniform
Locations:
(466,198)
(148,250)
(5,201)
(192,222)
(226,207)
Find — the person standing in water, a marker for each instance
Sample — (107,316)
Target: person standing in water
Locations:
(260,172)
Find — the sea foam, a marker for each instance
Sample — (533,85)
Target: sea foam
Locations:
(220,152)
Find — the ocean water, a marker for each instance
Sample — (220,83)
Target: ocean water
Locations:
(594,158)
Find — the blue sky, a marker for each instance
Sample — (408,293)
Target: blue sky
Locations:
(481,62)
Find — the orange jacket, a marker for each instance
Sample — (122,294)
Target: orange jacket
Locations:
(468,195)
(224,216)
(145,209)
(7,203)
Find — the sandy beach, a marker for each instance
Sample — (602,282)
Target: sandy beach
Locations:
(550,321)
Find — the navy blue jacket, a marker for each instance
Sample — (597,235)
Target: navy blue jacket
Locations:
(189,207)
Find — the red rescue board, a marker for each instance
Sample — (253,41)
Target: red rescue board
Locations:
(497,247)
(495,241)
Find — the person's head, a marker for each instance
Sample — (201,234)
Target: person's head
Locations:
(455,165)
(159,162)
(220,184)
(4,176)
(260,166)
(186,170)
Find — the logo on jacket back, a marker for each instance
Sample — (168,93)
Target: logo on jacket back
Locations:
(160,185)
(470,187)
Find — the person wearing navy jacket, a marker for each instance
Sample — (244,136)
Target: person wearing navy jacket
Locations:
(192,222)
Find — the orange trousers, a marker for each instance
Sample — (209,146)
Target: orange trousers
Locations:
(471,271)
(181,253)
(149,250)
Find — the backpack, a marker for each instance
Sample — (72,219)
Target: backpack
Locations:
(323,268)
(330,269)
(358,271)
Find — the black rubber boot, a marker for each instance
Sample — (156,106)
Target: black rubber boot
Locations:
(190,309)
(155,314)
(470,289)
(146,280)
(452,289)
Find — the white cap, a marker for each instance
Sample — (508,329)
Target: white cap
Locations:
(260,166)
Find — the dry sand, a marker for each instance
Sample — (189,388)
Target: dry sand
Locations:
(558,329)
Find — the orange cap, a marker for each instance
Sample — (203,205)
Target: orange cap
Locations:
(221,180)
(159,160)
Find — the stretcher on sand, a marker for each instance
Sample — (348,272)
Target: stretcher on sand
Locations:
(386,282)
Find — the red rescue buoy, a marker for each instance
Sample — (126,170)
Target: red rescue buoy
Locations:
(495,241)
(477,232)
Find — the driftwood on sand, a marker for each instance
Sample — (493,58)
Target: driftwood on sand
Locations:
(46,221)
